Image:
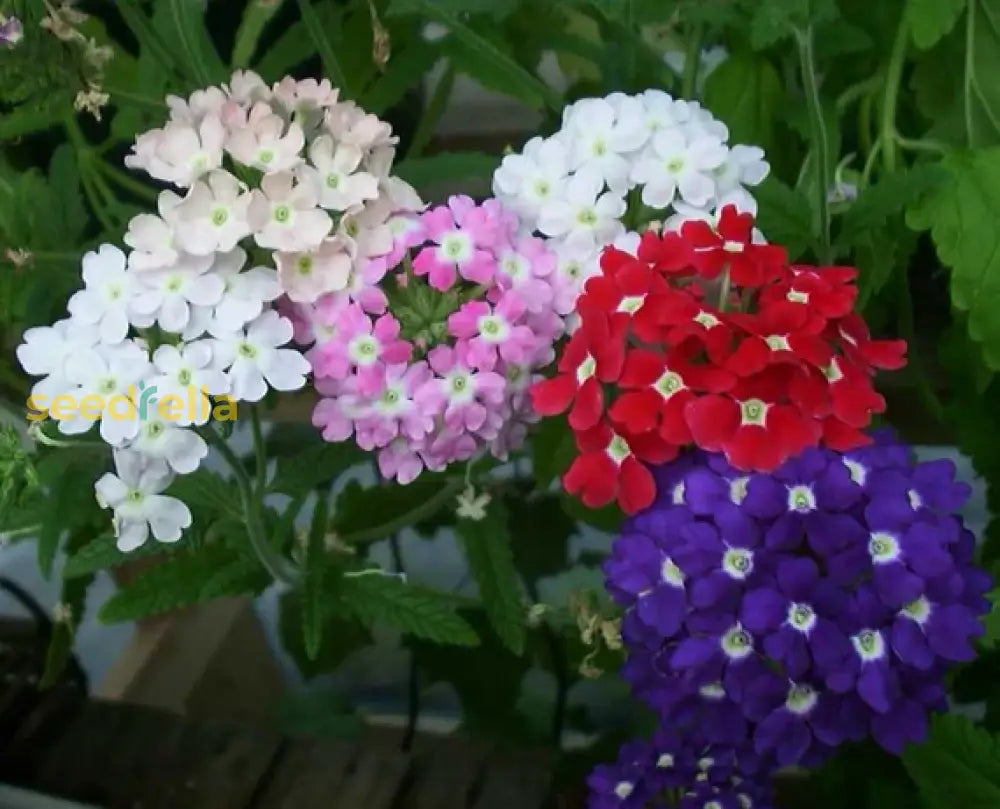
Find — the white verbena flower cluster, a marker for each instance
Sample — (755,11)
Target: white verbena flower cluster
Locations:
(574,186)
(286,191)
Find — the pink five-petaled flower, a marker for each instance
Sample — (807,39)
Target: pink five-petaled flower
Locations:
(394,413)
(594,354)
(525,267)
(364,347)
(491,332)
(463,237)
(466,397)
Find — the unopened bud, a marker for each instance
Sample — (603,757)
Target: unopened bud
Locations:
(536,615)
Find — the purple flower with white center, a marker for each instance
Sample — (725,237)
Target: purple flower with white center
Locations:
(924,633)
(624,784)
(796,616)
(727,656)
(11,31)
(641,575)
(807,496)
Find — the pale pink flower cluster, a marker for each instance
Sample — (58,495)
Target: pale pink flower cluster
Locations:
(427,360)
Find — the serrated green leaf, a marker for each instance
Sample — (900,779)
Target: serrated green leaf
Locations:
(773,20)
(784,216)
(497,9)
(34,117)
(185,578)
(314,579)
(961,215)
(209,491)
(488,550)
(421,172)
(888,197)
(67,212)
(364,515)
(102,554)
(745,91)
(416,611)
(186,29)
(73,600)
(316,465)
(319,36)
(982,65)
(342,635)
(958,766)
(929,20)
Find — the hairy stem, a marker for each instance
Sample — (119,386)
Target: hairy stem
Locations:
(820,140)
(890,95)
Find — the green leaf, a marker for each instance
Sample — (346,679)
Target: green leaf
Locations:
(209,491)
(497,9)
(608,519)
(68,212)
(363,515)
(342,636)
(314,579)
(982,64)
(773,20)
(553,450)
(187,577)
(73,600)
(256,16)
(929,20)
(488,549)
(745,91)
(319,464)
(414,59)
(477,54)
(186,28)
(318,35)
(958,766)
(414,610)
(30,118)
(102,554)
(784,216)
(424,171)
(888,197)
(962,216)
(539,533)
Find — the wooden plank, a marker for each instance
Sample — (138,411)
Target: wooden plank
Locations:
(307,775)
(521,780)
(445,774)
(376,776)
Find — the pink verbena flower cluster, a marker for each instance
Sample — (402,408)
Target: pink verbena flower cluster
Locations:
(427,359)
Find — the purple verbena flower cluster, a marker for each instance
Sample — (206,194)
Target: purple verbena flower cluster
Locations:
(798,610)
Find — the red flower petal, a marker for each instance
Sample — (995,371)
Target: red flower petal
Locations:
(712,420)
(638,411)
(637,488)
(588,406)
(594,477)
(552,396)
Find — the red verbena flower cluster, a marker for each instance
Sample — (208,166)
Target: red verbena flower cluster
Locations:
(706,338)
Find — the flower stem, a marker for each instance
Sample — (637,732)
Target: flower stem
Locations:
(692,61)
(259,451)
(127,182)
(280,568)
(820,141)
(890,95)
(426,509)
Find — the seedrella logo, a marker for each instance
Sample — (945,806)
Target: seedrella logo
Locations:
(142,402)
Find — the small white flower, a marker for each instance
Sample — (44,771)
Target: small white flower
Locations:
(46,350)
(252,356)
(166,296)
(181,448)
(336,176)
(471,506)
(264,144)
(246,87)
(180,152)
(62,613)
(112,374)
(139,507)
(213,216)
(152,238)
(304,96)
(190,374)
(106,297)
(197,106)
(284,216)
(243,296)
(584,216)
(348,123)
(600,135)
(304,277)
(531,179)
(744,165)
(660,111)
(679,163)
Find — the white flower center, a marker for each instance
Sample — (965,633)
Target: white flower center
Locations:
(219,216)
(675,165)
(869,645)
(832,372)
(916,501)
(265,156)
(712,691)
(587,217)
(456,247)
(801,699)
(184,376)
(801,499)
(247,350)
(665,761)
(883,548)
(736,643)
(623,789)
(492,328)
(599,147)
(794,296)
(677,495)
(753,412)
(738,489)
(514,267)
(857,471)
(114,292)
(631,304)
(304,265)
(671,574)
(107,385)
(669,384)
(733,247)
(586,369)
(778,342)
(737,563)
(174,284)
(919,610)
(618,449)
(364,350)
(333,180)
(706,320)
(281,214)
(801,617)
(542,189)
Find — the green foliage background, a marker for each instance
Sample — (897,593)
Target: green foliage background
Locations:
(897,100)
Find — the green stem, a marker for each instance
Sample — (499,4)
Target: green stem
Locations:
(426,509)
(922,145)
(890,95)
(133,98)
(331,66)
(128,182)
(280,568)
(87,173)
(692,61)
(821,146)
(856,91)
(259,452)
(432,114)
